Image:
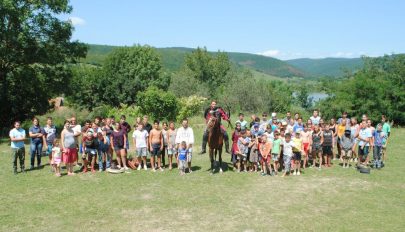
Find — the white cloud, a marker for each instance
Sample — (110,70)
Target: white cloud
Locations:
(343,54)
(271,53)
(76,21)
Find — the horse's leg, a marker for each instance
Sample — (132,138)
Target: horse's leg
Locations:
(212,160)
(220,159)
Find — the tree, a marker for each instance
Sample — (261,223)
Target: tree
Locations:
(208,69)
(35,47)
(158,103)
(130,70)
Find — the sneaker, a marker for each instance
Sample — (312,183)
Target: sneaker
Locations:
(145,168)
(298,173)
(139,168)
(153,170)
(121,169)
(126,168)
(294,173)
(263,174)
(118,166)
(161,169)
(319,168)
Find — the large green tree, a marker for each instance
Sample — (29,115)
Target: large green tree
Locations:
(207,68)
(130,70)
(35,48)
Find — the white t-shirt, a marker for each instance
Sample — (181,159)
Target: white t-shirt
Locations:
(364,134)
(185,134)
(140,138)
(288,148)
(77,128)
(315,121)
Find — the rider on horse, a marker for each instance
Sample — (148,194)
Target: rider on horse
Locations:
(207,115)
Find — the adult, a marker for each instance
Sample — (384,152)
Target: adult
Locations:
(264,122)
(287,117)
(77,130)
(140,138)
(243,123)
(207,116)
(17,137)
(107,131)
(186,134)
(69,146)
(118,141)
(364,138)
(37,135)
(126,128)
(299,126)
(50,136)
(147,126)
(315,118)
(344,118)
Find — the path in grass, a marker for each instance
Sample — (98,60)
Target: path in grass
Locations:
(335,199)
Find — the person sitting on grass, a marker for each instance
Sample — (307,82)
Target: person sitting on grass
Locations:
(347,144)
(265,149)
(56,157)
(90,146)
(288,146)
(241,152)
(182,155)
(297,153)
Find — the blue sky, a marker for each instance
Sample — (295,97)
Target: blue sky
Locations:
(281,29)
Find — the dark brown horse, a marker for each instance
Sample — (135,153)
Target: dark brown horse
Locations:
(215,139)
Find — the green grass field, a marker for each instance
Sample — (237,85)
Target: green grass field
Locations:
(334,199)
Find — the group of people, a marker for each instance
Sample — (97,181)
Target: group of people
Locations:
(95,143)
(270,145)
(289,144)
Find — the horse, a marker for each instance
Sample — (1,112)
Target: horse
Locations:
(215,139)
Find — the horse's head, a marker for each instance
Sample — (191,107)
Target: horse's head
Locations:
(215,118)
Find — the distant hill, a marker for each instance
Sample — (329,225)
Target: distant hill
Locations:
(332,67)
(173,58)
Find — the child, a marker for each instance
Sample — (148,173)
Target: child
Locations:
(90,151)
(265,149)
(140,138)
(254,153)
(103,146)
(56,157)
(243,143)
(235,137)
(327,145)
(275,152)
(306,136)
(315,146)
(171,144)
(379,136)
(182,155)
(288,146)
(347,144)
(297,153)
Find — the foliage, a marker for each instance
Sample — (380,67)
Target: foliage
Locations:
(378,88)
(129,70)
(190,106)
(34,46)
(158,103)
(183,84)
(207,68)
(131,111)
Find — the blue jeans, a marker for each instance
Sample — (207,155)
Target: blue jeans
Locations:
(103,149)
(377,152)
(35,150)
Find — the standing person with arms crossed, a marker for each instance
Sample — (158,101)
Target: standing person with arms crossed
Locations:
(17,137)
(37,135)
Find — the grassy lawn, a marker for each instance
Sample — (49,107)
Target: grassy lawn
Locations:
(334,199)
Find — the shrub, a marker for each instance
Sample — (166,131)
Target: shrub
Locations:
(158,104)
(190,106)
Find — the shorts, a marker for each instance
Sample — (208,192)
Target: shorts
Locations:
(141,152)
(316,149)
(363,151)
(117,148)
(274,157)
(306,147)
(347,154)
(56,161)
(182,165)
(171,151)
(49,150)
(297,155)
(155,149)
(241,157)
(90,152)
(266,160)
(327,150)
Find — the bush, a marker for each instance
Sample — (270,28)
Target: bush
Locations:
(190,106)
(158,103)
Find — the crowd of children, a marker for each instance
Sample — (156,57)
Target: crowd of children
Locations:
(289,145)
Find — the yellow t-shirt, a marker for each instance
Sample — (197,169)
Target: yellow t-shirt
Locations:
(298,143)
(341,130)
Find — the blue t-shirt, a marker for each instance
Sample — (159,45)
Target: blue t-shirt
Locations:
(379,137)
(35,130)
(298,128)
(183,154)
(18,134)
